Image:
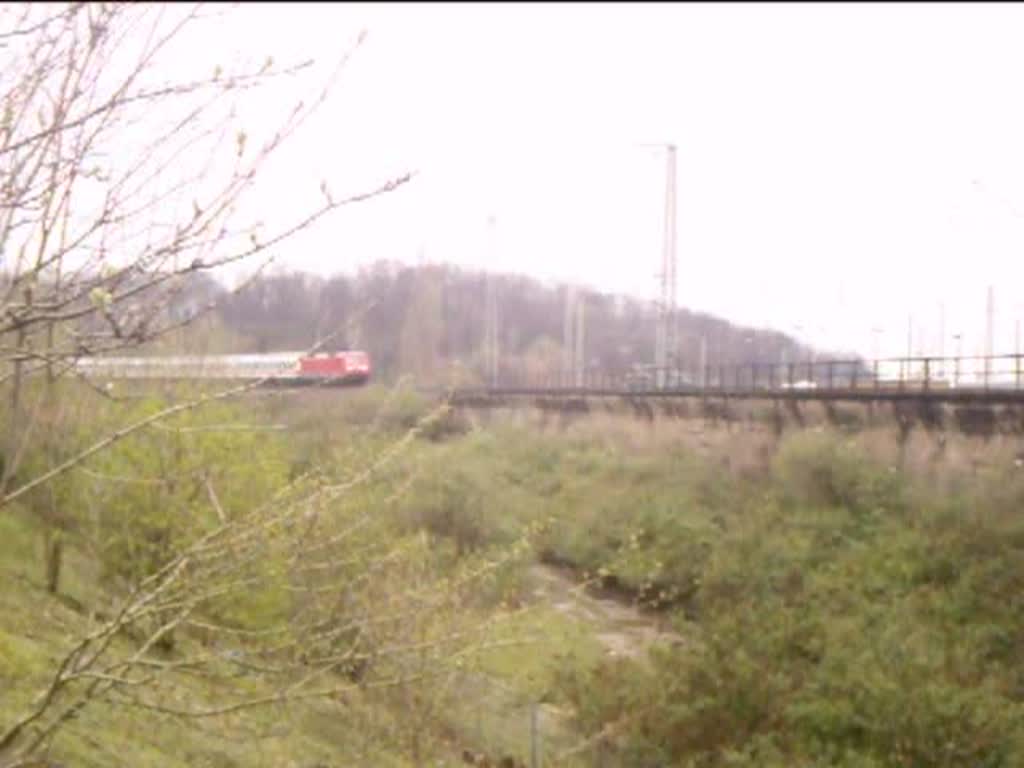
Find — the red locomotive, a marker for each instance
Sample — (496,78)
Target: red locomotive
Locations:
(341,367)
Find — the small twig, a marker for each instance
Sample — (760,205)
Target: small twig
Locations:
(216,502)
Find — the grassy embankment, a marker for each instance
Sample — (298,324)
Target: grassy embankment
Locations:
(834,609)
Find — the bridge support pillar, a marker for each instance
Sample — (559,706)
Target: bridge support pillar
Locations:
(904,425)
(778,420)
(796,413)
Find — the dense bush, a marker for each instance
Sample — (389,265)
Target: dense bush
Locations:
(823,469)
(844,618)
(838,612)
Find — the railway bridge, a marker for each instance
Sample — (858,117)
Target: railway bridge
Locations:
(978,380)
(979,395)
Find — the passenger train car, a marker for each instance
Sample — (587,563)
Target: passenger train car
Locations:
(294,368)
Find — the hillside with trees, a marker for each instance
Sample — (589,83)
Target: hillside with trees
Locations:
(427,320)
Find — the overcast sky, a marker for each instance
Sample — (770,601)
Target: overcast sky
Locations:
(840,166)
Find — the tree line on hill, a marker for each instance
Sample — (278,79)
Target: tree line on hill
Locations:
(427,321)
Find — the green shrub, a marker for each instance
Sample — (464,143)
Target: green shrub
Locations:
(822,469)
(157,491)
(847,616)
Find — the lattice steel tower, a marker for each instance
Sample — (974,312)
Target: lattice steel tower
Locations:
(666,345)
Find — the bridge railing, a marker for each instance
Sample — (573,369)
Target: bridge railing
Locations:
(975,373)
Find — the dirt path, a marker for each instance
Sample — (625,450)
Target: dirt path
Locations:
(623,629)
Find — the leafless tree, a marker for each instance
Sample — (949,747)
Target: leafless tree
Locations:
(120,180)
(358,608)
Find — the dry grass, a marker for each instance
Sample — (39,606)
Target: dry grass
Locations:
(746,442)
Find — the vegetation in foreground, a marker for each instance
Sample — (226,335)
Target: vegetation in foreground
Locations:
(212,589)
(835,611)
(829,611)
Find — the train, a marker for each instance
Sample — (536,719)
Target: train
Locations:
(348,368)
(351,367)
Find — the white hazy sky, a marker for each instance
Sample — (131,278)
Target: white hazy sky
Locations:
(841,166)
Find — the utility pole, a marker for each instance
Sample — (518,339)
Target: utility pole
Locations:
(491,311)
(942,339)
(990,314)
(354,331)
(703,374)
(568,347)
(958,338)
(666,338)
(841,337)
(672,339)
(906,366)
(578,358)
